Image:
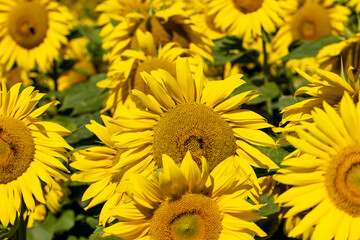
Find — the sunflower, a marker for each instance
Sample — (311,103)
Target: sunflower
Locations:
(187,203)
(124,73)
(344,53)
(309,20)
(189,113)
(324,86)
(32,33)
(325,177)
(83,68)
(246,19)
(97,165)
(30,150)
(169,24)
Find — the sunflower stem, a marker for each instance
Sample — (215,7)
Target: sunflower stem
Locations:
(266,75)
(20,233)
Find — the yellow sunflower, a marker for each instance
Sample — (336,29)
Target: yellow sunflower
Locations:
(169,24)
(98,166)
(187,203)
(32,33)
(325,177)
(124,73)
(189,113)
(346,52)
(30,150)
(309,20)
(246,18)
(324,86)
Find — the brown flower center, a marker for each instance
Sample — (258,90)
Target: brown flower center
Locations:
(196,128)
(28,24)
(165,32)
(191,217)
(17,149)
(343,180)
(309,26)
(248,6)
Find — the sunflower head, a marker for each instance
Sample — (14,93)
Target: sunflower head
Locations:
(325,173)
(171,23)
(309,20)
(34,30)
(30,151)
(125,72)
(245,18)
(187,203)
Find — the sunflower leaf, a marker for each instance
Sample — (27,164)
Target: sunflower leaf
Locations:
(83,97)
(310,48)
(96,235)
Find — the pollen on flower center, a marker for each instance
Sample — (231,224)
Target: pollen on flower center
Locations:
(192,216)
(343,181)
(17,149)
(196,128)
(248,6)
(28,24)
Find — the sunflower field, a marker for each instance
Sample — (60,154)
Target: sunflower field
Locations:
(179,119)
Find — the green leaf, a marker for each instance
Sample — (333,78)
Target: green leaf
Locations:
(229,49)
(91,32)
(310,48)
(268,91)
(65,222)
(285,101)
(96,235)
(42,230)
(77,126)
(84,97)
(7,232)
(270,207)
(271,224)
(275,154)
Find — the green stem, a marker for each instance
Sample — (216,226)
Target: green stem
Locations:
(266,76)
(20,233)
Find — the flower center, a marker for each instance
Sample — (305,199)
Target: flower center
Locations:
(248,6)
(165,32)
(343,180)
(149,65)
(309,26)
(17,149)
(191,217)
(196,128)
(28,24)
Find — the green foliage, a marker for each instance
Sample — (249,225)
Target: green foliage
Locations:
(96,235)
(310,48)
(46,229)
(83,97)
(229,49)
